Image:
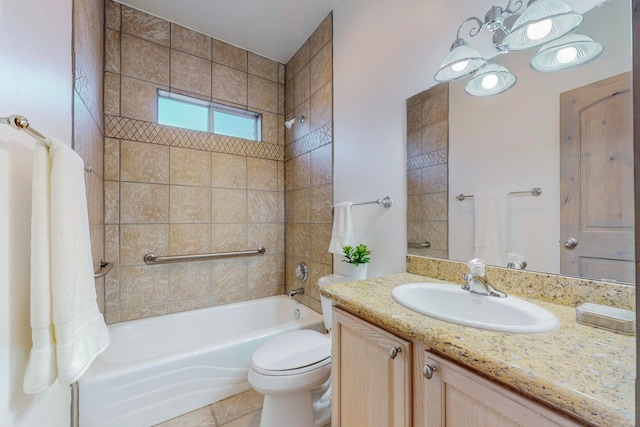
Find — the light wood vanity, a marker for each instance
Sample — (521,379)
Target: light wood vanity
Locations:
(577,375)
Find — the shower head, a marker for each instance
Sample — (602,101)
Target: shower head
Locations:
(290,123)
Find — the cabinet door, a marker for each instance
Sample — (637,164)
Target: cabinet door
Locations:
(371,370)
(457,397)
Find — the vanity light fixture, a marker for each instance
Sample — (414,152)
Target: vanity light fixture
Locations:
(543,22)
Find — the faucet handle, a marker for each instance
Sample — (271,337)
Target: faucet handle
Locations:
(467,277)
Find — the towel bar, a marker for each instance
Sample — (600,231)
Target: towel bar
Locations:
(386,201)
(534,192)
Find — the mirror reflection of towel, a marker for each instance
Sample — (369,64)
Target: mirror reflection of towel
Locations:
(342,232)
(491,227)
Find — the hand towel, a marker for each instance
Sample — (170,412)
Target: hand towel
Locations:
(342,232)
(67,328)
(491,227)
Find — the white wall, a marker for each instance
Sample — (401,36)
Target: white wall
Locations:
(510,142)
(35,81)
(384,52)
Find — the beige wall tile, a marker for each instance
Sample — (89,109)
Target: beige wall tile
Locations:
(434,179)
(229,275)
(437,232)
(229,299)
(322,35)
(281,130)
(143,311)
(263,94)
(190,167)
(435,208)
(302,86)
(142,162)
(281,73)
(281,99)
(316,271)
(435,137)
(143,25)
(137,240)
(229,84)
(288,98)
(262,271)
(189,239)
(229,237)
(414,181)
(281,207)
(298,205)
(414,117)
(190,73)
(321,106)
(190,41)
(229,55)
(414,143)
(190,204)
(322,67)
(96,237)
(111,159)
(302,129)
(321,200)
(112,51)
(187,305)
(144,285)
(228,171)
(88,140)
(139,99)
(289,72)
(265,235)
(144,60)
(321,166)
(142,203)
(262,67)
(262,206)
(301,175)
(112,94)
(270,127)
(435,109)
(111,202)
(112,15)
(112,291)
(320,243)
(297,241)
(229,205)
(262,174)
(112,244)
(414,204)
(302,56)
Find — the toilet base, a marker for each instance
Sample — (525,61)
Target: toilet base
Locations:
(288,410)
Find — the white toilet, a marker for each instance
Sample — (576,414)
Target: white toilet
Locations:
(293,371)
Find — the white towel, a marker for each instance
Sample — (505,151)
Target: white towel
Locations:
(491,227)
(67,328)
(342,232)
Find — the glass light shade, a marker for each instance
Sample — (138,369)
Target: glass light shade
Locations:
(566,52)
(461,62)
(542,22)
(492,79)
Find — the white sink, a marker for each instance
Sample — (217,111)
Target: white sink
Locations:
(456,305)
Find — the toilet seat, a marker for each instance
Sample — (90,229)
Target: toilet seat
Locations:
(292,353)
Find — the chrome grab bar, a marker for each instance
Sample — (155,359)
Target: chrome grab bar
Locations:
(419,245)
(151,259)
(105,268)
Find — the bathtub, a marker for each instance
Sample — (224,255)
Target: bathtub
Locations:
(159,368)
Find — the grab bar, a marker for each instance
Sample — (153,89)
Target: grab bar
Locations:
(419,245)
(105,268)
(151,259)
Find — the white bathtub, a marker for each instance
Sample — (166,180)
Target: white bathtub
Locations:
(159,368)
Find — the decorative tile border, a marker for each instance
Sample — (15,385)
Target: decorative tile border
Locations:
(433,158)
(316,139)
(153,133)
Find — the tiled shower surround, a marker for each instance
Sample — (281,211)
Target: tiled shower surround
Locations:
(172,191)
(427,182)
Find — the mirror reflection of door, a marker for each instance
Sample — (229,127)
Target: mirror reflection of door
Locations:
(596,181)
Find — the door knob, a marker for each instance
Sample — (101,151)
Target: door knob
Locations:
(393,353)
(570,243)
(428,370)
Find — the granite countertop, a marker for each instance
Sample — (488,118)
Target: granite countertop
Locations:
(578,369)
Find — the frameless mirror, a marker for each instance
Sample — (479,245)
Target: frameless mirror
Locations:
(516,141)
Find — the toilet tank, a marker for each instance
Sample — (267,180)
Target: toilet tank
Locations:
(326,302)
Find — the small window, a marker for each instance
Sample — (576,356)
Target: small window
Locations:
(191,113)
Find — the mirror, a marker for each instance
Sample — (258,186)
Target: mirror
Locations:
(508,142)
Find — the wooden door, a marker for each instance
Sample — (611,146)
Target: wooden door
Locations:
(596,181)
(371,387)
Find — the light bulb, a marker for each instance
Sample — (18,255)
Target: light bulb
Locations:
(539,29)
(567,55)
(489,81)
(460,65)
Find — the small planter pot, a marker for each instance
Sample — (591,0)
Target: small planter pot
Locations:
(354,272)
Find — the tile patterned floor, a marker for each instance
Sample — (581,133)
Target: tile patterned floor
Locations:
(242,410)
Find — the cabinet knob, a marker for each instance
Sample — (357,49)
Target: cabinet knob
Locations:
(394,352)
(428,370)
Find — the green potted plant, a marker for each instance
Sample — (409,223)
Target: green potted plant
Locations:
(357,258)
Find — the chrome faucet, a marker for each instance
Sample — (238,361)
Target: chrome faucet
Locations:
(295,292)
(476,281)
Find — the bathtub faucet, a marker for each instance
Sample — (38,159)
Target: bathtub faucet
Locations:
(294,292)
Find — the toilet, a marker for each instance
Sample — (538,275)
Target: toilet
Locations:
(293,372)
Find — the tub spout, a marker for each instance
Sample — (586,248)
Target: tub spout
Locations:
(295,292)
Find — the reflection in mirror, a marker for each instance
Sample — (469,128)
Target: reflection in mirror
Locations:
(511,142)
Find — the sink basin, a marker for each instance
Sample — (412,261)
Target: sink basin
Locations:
(456,305)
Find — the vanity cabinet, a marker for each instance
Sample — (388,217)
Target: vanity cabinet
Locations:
(453,396)
(371,375)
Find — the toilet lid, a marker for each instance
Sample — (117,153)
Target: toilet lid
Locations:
(292,350)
